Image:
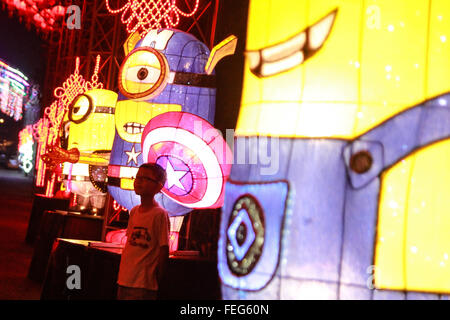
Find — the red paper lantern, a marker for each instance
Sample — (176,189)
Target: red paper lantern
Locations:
(59,11)
(38,19)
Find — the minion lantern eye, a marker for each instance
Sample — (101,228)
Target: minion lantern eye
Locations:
(80,108)
(144,73)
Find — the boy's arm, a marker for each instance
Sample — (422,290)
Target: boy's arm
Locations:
(163,257)
(162,263)
(129,225)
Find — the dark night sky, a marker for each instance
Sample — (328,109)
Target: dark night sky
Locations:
(21,49)
(232,19)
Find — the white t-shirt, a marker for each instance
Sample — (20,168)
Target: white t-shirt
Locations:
(146,233)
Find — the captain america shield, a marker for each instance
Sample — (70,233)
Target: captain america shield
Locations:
(196,158)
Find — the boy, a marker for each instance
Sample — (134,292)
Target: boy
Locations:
(146,251)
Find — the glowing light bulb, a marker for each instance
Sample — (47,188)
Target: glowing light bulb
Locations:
(393,204)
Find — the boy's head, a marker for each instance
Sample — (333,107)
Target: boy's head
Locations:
(150,179)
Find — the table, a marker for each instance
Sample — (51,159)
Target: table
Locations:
(42,203)
(187,277)
(61,224)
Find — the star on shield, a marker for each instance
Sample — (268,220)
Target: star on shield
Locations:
(174,176)
(132,155)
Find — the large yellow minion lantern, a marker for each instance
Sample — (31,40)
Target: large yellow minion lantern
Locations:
(351,100)
(90,122)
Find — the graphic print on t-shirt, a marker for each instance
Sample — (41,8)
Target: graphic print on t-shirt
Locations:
(140,237)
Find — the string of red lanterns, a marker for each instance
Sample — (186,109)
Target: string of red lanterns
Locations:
(45,15)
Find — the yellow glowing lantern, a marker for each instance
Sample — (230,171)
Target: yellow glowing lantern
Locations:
(354,97)
(91,117)
(91,135)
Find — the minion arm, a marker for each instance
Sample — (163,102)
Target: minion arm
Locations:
(223,49)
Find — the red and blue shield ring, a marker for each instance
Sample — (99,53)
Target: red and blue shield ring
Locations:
(196,158)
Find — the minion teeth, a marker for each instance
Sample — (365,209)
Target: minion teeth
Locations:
(292,52)
(133,127)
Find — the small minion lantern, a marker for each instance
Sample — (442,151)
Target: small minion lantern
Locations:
(165,72)
(351,100)
(90,122)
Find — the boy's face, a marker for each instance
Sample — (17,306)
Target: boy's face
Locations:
(146,182)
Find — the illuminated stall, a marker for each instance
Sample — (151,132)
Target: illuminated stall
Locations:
(345,111)
(13,89)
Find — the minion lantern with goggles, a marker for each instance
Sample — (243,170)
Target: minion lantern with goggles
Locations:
(165,74)
(357,96)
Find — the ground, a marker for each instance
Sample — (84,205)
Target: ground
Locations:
(16,197)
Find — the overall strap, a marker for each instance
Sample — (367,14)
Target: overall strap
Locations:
(397,137)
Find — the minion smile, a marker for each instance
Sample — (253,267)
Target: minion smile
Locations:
(133,127)
(292,52)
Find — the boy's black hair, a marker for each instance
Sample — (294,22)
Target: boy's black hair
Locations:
(160,173)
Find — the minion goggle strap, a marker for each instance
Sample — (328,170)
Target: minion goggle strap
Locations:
(79,111)
(193,79)
(145,73)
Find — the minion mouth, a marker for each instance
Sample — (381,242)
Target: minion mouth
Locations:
(292,52)
(133,127)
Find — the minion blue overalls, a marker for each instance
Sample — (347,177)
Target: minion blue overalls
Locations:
(309,231)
